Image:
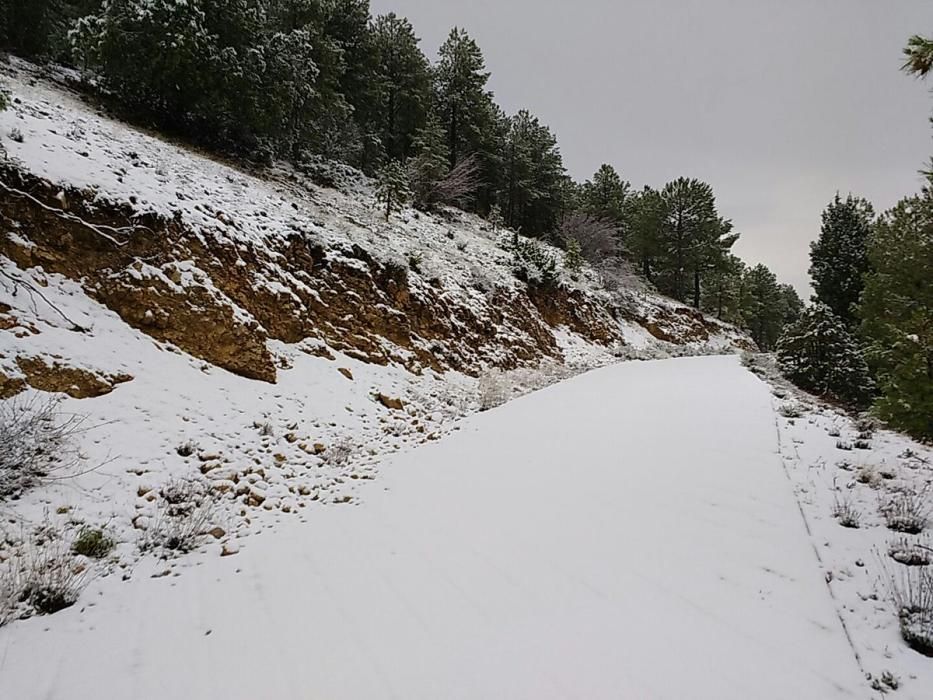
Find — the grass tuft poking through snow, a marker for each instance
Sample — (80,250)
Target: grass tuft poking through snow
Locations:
(846,512)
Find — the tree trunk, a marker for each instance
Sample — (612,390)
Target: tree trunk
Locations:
(696,289)
(453,137)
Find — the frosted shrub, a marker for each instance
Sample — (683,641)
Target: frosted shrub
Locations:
(911,590)
(818,354)
(845,511)
(41,577)
(494,389)
(906,512)
(36,440)
(911,553)
(341,451)
(186,508)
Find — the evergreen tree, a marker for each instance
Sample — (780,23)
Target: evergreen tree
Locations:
(38,29)
(818,354)
(257,78)
(392,188)
(791,304)
(692,238)
(722,294)
(463,103)
(495,217)
(839,257)
(402,85)
(918,56)
(762,304)
(430,164)
(573,256)
(346,27)
(646,217)
(897,314)
(606,196)
(533,179)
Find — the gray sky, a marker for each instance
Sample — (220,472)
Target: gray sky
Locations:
(776,103)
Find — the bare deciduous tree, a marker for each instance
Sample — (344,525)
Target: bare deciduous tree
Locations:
(595,235)
(456,188)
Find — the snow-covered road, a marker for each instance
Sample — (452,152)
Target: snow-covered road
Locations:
(626,534)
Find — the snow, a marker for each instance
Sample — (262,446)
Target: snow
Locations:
(558,546)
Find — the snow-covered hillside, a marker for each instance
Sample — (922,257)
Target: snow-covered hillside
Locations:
(556,547)
(271,338)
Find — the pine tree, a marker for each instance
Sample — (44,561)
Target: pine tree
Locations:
(573,256)
(38,29)
(402,85)
(606,196)
(463,103)
(839,257)
(495,217)
(918,56)
(429,164)
(646,217)
(691,239)
(762,305)
(818,354)
(254,79)
(897,314)
(722,292)
(533,176)
(392,188)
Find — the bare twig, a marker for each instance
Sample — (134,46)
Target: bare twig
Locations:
(34,291)
(99,229)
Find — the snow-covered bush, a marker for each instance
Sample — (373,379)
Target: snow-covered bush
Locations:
(40,577)
(186,508)
(340,451)
(906,511)
(818,354)
(911,552)
(533,262)
(36,439)
(911,589)
(494,389)
(845,511)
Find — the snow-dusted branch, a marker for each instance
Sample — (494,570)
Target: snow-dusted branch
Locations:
(99,229)
(33,291)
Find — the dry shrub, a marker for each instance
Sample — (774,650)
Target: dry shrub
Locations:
(40,577)
(906,511)
(186,510)
(911,589)
(37,440)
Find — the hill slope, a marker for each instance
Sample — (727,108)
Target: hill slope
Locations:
(281,335)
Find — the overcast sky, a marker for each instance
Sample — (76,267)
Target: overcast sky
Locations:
(776,103)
